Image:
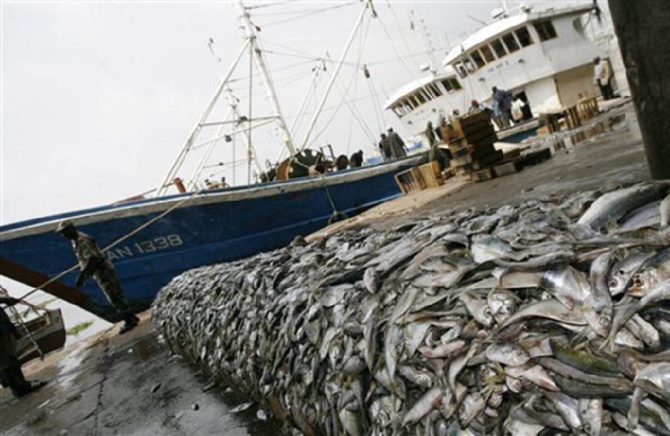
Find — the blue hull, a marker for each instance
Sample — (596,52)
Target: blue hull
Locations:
(196,230)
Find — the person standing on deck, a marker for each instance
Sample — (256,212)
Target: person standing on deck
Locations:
(93,263)
(385,147)
(502,107)
(10,366)
(398,148)
(602,72)
(356,159)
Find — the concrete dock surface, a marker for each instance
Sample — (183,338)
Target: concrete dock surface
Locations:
(131,385)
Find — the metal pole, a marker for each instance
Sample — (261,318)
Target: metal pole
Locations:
(257,55)
(191,139)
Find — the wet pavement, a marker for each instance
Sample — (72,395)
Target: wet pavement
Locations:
(125,385)
(130,384)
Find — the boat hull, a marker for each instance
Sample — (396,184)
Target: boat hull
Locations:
(154,240)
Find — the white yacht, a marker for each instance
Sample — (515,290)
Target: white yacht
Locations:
(542,56)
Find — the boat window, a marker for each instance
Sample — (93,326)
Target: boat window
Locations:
(434,89)
(498,48)
(524,36)
(413,102)
(469,65)
(578,25)
(545,30)
(510,42)
(487,53)
(451,84)
(478,59)
(420,98)
(461,70)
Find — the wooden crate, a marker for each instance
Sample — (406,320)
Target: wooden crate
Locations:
(410,180)
(493,158)
(482,151)
(474,118)
(430,173)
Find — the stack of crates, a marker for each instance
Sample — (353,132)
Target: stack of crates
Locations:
(471,140)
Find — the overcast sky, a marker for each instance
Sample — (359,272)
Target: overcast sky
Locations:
(99,97)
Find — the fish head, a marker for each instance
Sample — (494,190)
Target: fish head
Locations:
(640,284)
(502,305)
(514,384)
(617,283)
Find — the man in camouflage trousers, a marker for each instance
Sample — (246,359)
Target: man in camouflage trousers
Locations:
(93,263)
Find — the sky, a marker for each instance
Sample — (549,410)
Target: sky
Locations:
(98,97)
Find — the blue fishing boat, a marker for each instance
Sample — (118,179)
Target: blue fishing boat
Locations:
(150,240)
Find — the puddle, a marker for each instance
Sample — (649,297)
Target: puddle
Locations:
(70,366)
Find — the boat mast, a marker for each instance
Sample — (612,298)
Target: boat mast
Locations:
(194,134)
(366,5)
(257,52)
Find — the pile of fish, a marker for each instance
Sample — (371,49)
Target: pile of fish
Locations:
(546,317)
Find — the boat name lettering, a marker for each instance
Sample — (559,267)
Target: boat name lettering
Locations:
(147,246)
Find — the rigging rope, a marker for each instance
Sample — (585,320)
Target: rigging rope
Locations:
(306,14)
(118,241)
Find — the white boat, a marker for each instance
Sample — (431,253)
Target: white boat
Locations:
(542,56)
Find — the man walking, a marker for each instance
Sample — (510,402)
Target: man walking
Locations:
(602,72)
(10,367)
(93,263)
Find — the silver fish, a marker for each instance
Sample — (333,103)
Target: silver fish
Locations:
(507,354)
(621,273)
(614,205)
(426,403)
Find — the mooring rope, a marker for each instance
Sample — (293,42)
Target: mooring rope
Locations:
(118,241)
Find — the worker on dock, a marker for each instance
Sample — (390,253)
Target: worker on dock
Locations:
(10,367)
(93,263)
(502,107)
(397,145)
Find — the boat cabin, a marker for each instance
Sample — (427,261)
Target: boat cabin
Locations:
(542,57)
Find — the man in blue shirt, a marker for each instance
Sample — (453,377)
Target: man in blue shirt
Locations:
(502,107)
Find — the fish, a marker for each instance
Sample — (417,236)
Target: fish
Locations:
(612,206)
(426,403)
(465,321)
(655,270)
(622,272)
(507,354)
